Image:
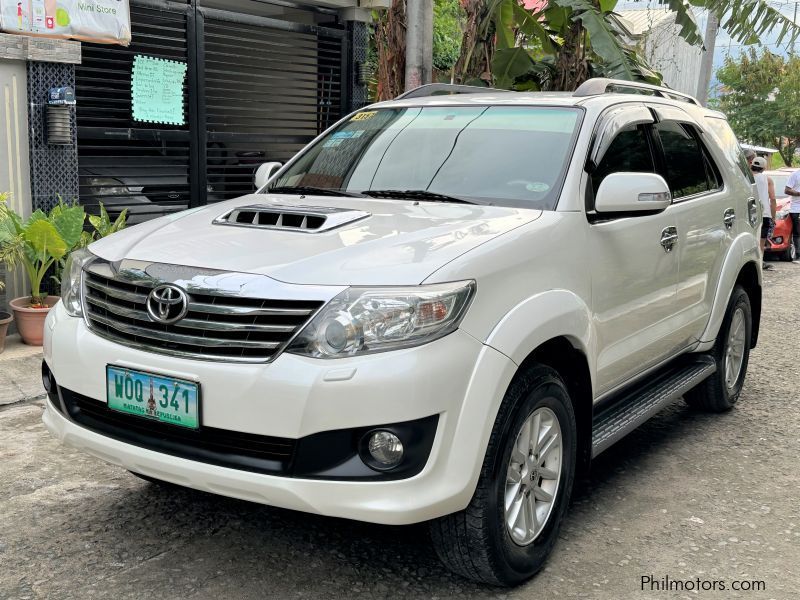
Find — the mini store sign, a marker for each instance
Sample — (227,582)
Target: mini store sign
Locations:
(103,21)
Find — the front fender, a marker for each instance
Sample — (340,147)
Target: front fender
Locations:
(543,317)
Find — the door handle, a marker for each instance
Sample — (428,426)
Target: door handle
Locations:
(729,217)
(669,237)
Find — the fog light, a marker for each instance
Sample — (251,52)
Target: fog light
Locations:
(386,449)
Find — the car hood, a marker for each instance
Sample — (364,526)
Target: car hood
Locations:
(399,242)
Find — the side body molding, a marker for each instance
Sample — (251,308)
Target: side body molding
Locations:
(556,313)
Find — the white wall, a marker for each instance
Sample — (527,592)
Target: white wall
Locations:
(14,156)
(669,53)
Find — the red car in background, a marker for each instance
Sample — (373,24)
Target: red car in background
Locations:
(780,243)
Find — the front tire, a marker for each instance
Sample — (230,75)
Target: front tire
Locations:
(508,529)
(790,254)
(731,352)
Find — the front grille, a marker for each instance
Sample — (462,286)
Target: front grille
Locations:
(246,451)
(233,329)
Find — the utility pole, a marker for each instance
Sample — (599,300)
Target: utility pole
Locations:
(419,43)
(707,60)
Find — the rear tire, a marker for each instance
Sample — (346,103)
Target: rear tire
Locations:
(731,352)
(504,535)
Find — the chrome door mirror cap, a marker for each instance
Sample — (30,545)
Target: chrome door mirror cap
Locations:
(265,172)
(632,192)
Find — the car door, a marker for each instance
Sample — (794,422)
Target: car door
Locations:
(705,214)
(633,268)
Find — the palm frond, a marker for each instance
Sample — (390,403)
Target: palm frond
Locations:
(747,21)
(683,17)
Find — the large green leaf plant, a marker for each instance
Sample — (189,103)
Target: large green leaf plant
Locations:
(38,242)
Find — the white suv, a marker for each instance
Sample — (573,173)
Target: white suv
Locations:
(440,310)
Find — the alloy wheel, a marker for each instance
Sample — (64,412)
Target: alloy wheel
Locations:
(734,349)
(533,475)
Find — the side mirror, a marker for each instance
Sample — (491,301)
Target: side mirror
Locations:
(264,172)
(632,192)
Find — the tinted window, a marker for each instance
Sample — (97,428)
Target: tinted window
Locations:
(513,156)
(629,152)
(688,170)
(730,144)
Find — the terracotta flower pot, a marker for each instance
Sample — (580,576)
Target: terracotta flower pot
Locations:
(30,321)
(5,321)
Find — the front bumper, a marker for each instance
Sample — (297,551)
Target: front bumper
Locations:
(456,378)
(781,236)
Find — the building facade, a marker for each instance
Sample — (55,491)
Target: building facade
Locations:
(260,79)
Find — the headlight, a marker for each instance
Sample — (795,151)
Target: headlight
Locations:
(782,214)
(366,320)
(71,281)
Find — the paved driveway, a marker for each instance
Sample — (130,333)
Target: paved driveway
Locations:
(688,496)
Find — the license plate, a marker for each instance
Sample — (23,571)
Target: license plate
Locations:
(157,397)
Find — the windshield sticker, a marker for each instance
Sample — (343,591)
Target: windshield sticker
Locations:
(332,143)
(364,116)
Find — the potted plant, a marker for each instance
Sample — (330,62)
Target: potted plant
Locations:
(37,243)
(5,321)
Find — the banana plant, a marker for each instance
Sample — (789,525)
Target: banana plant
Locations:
(38,242)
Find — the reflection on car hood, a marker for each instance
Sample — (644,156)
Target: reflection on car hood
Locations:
(399,243)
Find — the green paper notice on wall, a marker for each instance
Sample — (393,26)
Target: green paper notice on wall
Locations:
(157,90)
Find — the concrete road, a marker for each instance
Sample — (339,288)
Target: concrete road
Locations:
(705,498)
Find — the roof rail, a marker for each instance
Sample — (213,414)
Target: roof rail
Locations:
(445,89)
(603,85)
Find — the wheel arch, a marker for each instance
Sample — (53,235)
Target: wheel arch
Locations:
(741,267)
(564,356)
(748,279)
(561,338)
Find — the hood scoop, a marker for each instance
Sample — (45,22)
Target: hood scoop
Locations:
(306,219)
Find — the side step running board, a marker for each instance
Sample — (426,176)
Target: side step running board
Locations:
(643,402)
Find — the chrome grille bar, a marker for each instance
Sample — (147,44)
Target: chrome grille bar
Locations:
(142,315)
(179,338)
(222,309)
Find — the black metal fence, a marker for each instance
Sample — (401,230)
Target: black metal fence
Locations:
(258,88)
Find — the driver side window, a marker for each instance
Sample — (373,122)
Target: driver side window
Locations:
(629,152)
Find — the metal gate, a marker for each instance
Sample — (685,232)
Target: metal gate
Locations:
(257,89)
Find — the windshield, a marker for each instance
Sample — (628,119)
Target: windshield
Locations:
(512,156)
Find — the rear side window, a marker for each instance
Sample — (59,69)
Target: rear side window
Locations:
(629,153)
(688,168)
(727,140)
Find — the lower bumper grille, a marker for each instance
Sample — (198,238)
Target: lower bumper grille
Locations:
(244,451)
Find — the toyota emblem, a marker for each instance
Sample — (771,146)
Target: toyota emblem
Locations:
(167,304)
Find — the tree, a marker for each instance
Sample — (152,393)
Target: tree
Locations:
(389,39)
(447,29)
(761,96)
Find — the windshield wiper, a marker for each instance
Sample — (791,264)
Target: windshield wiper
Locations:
(316,191)
(415,195)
